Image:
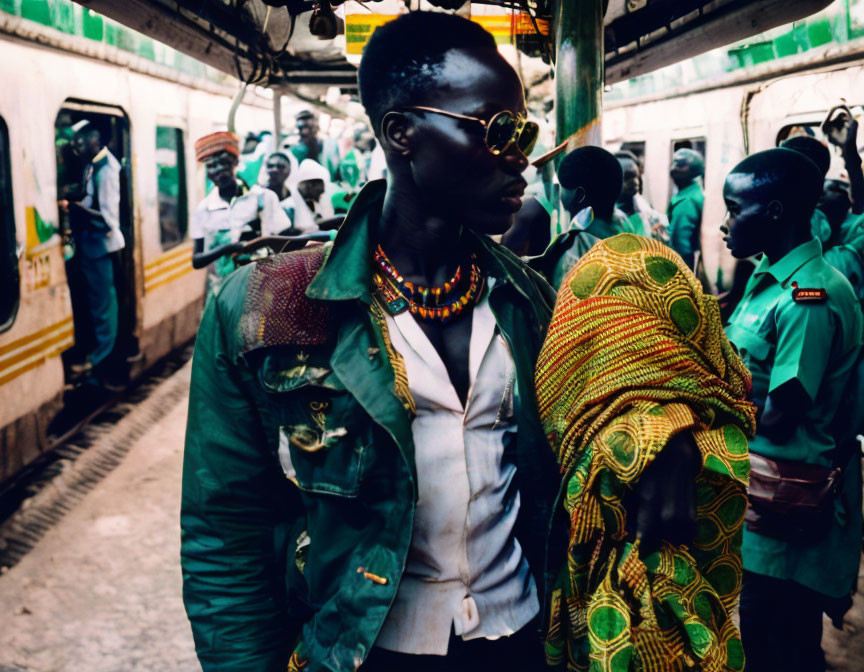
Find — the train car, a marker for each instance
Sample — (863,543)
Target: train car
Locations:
(749,109)
(150,116)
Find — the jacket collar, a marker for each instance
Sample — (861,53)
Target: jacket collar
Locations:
(347,271)
(785,268)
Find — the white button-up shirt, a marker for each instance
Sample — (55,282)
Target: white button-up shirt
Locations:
(465,567)
(102,190)
(218,222)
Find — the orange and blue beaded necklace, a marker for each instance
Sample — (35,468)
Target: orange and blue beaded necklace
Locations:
(435,303)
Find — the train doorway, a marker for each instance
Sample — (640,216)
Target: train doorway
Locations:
(93,154)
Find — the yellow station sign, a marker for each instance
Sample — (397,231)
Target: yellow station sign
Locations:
(504,27)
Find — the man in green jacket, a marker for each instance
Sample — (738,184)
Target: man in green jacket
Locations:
(685,207)
(366,481)
(367,484)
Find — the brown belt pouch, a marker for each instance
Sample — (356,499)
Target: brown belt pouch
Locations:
(791,500)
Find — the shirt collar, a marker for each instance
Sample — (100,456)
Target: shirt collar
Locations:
(684,191)
(216,202)
(100,155)
(786,266)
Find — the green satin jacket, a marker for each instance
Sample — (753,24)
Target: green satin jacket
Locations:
(290,363)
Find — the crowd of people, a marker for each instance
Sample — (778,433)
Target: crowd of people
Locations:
(303,187)
(414,449)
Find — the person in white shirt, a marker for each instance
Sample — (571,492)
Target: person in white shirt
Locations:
(232,213)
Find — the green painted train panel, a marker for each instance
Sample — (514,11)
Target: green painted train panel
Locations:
(840,23)
(71,18)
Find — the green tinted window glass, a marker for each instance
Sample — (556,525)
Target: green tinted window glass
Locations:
(171,176)
(10,278)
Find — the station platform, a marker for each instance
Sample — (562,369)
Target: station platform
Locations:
(101,591)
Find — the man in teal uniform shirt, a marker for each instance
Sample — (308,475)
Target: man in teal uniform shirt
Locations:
(685,207)
(802,355)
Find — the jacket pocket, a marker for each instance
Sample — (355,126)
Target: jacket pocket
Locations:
(324,434)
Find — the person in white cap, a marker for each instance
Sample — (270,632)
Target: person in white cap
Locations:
(310,203)
(95,223)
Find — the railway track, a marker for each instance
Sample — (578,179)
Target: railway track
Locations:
(39,498)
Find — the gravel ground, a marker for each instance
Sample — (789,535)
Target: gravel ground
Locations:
(101,591)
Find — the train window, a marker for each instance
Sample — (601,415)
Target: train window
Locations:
(171,176)
(10,278)
(637,149)
(697,144)
(791,130)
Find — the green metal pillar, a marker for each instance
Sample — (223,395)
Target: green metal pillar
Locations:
(579,71)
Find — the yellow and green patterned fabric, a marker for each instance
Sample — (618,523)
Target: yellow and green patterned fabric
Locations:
(636,353)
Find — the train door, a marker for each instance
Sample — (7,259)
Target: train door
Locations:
(10,281)
(96,357)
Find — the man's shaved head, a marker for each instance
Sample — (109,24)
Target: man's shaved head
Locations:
(782,175)
(404,59)
(770,197)
(687,165)
(597,173)
(692,157)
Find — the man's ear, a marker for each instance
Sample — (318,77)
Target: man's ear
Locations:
(396,132)
(774,210)
(579,195)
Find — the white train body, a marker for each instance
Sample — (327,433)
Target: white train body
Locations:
(38,82)
(728,117)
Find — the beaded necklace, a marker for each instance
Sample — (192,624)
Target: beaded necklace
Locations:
(442,303)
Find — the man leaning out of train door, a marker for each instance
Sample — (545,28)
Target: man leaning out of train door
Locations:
(366,484)
(95,223)
(232,213)
(798,328)
(685,207)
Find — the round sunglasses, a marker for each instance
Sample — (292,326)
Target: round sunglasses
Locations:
(503,130)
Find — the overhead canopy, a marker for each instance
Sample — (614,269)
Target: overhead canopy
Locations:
(270,42)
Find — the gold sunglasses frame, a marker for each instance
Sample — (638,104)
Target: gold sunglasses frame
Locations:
(521,123)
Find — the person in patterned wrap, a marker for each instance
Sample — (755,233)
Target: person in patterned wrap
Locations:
(645,403)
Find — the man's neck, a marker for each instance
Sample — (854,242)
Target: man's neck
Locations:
(424,248)
(604,215)
(229,191)
(92,154)
(627,206)
(279,190)
(783,245)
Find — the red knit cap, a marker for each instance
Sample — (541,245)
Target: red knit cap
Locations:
(223,141)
